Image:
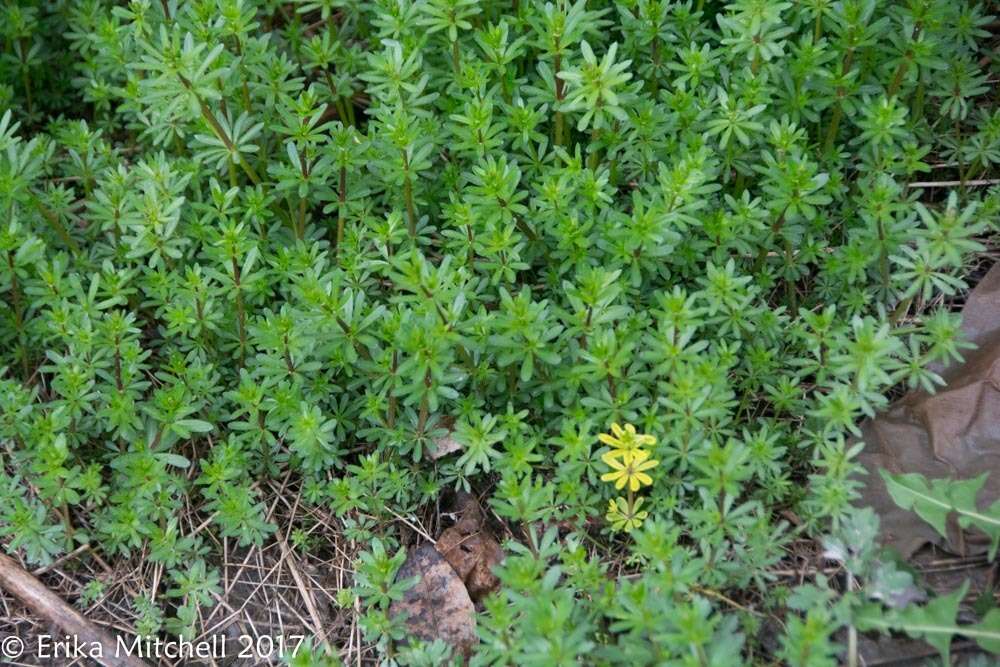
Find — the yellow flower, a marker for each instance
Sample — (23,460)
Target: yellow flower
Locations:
(628,468)
(622,440)
(622,518)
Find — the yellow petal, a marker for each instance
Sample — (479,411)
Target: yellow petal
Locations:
(612,459)
(643,478)
(611,476)
(621,481)
(617,430)
(646,465)
(608,440)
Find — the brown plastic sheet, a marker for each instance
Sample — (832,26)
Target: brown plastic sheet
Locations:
(952,434)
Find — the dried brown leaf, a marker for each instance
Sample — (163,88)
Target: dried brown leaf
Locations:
(443,446)
(438,606)
(471,550)
(447,443)
(952,434)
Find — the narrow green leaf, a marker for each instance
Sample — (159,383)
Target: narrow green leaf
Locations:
(194,425)
(174,460)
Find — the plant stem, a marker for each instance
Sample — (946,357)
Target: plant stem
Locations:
(15,289)
(883,258)
(302,218)
(411,213)
(897,80)
(338,101)
(424,405)
(557,139)
(790,293)
(213,122)
(958,155)
(118,364)
(594,159)
(904,64)
(656,67)
(67,522)
(349,104)
(58,225)
(240,312)
(526,229)
(26,78)
(775,230)
(852,631)
(838,110)
(390,418)
(246,89)
(918,98)
(341,214)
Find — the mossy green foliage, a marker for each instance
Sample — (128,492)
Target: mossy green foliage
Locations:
(249,239)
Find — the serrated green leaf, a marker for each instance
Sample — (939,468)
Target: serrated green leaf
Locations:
(933,501)
(934,622)
(988,521)
(912,492)
(987,633)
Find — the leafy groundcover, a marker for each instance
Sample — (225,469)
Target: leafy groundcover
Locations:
(284,283)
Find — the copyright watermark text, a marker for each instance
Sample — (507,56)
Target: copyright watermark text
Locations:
(71,647)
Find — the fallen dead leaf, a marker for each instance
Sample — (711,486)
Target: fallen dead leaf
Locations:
(952,434)
(446,444)
(443,446)
(471,549)
(438,606)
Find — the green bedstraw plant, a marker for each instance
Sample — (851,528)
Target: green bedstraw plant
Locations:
(244,240)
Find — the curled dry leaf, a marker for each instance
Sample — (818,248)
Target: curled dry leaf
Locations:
(953,434)
(443,446)
(471,549)
(438,606)
(446,444)
(453,574)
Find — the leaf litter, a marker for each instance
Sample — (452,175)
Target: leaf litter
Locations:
(453,575)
